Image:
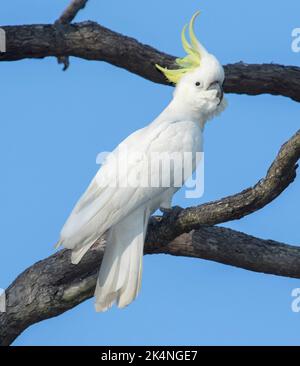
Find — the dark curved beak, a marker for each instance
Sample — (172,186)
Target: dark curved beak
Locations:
(220,92)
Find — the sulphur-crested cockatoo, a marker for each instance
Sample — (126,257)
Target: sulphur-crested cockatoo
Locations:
(122,210)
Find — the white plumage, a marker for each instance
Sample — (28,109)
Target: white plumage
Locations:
(123,212)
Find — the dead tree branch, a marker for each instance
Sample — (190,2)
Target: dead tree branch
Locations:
(91,41)
(280,175)
(54,285)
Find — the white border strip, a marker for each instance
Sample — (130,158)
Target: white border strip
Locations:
(2,40)
(2,301)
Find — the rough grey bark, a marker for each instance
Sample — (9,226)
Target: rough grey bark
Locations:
(92,41)
(54,285)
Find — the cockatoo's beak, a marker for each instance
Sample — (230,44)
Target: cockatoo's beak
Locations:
(220,92)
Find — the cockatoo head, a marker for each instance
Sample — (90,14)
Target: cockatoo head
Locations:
(199,78)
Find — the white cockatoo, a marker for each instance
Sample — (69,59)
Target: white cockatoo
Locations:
(122,210)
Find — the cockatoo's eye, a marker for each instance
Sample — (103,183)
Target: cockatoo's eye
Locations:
(197,83)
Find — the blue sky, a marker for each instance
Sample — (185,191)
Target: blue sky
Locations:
(53,124)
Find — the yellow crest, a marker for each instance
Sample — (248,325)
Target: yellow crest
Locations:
(193,58)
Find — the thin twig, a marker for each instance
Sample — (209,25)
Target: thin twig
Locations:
(67,17)
(71,11)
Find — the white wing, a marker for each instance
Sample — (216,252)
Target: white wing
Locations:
(104,203)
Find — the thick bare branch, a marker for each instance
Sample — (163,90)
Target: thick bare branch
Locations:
(67,17)
(53,286)
(91,41)
(280,175)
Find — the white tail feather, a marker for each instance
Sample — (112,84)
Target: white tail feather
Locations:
(132,285)
(121,269)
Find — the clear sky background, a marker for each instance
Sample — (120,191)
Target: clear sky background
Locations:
(54,123)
